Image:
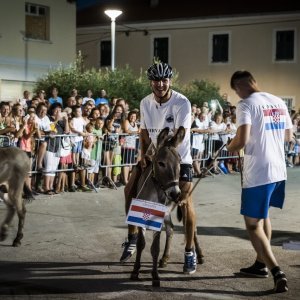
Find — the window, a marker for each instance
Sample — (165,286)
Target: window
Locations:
(219,48)
(105,54)
(289,102)
(36,22)
(161,49)
(284,45)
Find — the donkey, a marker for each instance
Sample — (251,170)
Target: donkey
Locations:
(159,183)
(14,167)
(163,262)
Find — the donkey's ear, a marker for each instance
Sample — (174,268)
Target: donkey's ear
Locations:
(163,136)
(178,137)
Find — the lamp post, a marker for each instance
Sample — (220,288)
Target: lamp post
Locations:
(113,14)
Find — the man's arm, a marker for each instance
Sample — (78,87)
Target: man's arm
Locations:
(241,138)
(288,135)
(144,143)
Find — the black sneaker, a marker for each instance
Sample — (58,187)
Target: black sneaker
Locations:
(72,189)
(129,248)
(280,282)
(254,271)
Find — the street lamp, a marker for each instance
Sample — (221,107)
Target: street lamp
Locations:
(113,14)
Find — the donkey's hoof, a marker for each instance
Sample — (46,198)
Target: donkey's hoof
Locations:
(162,263)
(156,283)
(16,243)
(134,276)
(200,260)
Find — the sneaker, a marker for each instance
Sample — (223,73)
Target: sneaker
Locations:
(84,188)
(129,248)
(118,184)
(72,189)
(190,262)
(254,271)
(280,282)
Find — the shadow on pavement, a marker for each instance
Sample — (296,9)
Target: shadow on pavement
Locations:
(40,278)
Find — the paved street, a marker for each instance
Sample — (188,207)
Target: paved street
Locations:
(72,244)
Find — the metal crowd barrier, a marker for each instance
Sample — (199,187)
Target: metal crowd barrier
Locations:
(115,151)
(209,146)
(5,141)
(118,151)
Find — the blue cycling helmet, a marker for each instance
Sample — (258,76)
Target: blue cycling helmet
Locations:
(159,71)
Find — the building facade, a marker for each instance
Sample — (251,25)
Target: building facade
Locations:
(210,47)
(34,36)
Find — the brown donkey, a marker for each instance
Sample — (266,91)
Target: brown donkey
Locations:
(159,182)
(14,167)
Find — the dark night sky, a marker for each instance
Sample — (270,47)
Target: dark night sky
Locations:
(90,12)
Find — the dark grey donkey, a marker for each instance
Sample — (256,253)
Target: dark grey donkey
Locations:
(159,183)
(14,167)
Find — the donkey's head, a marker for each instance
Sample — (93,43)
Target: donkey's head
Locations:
(166,162)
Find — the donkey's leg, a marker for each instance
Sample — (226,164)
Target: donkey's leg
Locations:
(200,256)
(10,212)
(155,247)
(15,197)
(21,211)
(139,249)
(163,262)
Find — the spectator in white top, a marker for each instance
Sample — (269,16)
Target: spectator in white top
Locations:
(43,122)
(198,130)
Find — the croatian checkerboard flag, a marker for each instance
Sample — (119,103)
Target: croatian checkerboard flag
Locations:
(146,214)
(275,118)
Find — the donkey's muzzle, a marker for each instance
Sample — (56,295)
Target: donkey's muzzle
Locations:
(173,193)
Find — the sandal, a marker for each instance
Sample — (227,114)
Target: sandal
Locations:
(40,190)
(49,192)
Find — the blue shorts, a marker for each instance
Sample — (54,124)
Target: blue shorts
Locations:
(77,147)
(257,200)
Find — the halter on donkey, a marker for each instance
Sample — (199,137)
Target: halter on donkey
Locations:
(159,183)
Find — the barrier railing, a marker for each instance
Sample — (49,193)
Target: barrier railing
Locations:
(114,153)
(5,141)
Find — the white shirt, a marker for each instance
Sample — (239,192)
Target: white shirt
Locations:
(174,113)
(219,128)
(264,160)
(197,139)
(44,123)
(79,125)
(86,99)
(130,140)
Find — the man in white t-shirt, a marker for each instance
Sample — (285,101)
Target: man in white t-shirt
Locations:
(162,108)
(263,126)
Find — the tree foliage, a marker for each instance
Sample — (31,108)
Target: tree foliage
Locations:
(123,83)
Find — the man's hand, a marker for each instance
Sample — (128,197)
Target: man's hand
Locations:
(143,162)
(229,140)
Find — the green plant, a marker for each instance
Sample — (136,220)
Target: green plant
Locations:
(199,91)
(123,83)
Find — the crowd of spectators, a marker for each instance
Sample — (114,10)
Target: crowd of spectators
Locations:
(69,141)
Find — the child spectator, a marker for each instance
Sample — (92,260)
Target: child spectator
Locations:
(88,144)
(30,131)
(77,126)
(96,150)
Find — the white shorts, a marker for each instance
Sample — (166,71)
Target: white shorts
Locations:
(51,163)
(95,165)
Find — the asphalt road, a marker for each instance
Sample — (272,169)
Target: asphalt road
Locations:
(72,245)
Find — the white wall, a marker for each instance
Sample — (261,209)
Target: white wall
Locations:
(22,61)
(251,49)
